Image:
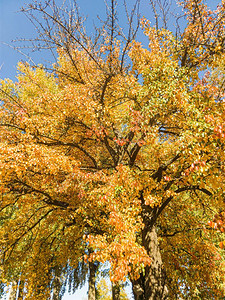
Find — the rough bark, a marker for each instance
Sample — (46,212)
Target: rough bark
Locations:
(155,277)
(92,278)
(115,291)
(138,288)
(152,284)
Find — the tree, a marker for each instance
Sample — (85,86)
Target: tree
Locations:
(117,150)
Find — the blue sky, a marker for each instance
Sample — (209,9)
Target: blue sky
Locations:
(14,24)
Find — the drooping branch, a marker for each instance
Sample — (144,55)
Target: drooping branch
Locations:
(13,99)
(180,190)
(13,245)
(25,188)
(56,142)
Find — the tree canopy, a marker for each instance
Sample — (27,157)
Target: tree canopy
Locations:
(115,153)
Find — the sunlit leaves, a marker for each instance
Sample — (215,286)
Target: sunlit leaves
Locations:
(90,149)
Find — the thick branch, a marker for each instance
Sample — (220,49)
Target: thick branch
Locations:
(111,151)
(56,142)
(158,174)
(179,190)
(133,154)
(49,199)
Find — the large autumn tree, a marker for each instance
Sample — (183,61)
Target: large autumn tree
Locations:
(115,153)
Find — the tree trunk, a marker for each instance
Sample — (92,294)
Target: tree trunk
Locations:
(138,288)
(92,279)
(115,291)
(151,285)
(155,277)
